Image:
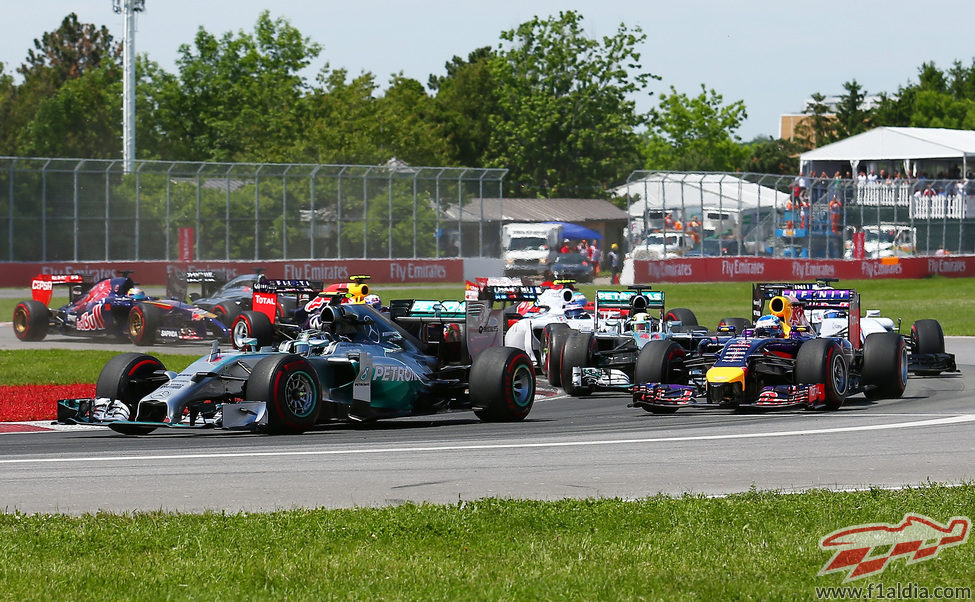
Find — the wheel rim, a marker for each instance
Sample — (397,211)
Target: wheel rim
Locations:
(522,387)
(135,324)
(241,331)
(838,374)
(20,321)
(300,394)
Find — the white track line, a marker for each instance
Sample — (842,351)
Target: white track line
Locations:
(494,446)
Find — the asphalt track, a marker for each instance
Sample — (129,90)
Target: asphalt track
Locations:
(587,447)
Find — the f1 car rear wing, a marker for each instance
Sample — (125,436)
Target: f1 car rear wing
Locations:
(798,297)
(636,300)
(178,282)
(42,286)
(265,298)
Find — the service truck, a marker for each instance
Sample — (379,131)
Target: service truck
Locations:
(530,249)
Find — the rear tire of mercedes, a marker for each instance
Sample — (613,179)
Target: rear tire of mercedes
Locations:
(128,377)
(502,385)
(227,312)
(683,315)
(289,385)
(928,337)
(884,365)
(821,361)
(740,324)
(577,352)
(660,361)
(252,324)
(554,340)
(144,320)
(31,319)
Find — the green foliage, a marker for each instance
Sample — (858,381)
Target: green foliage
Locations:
(773,156)
(465,100)
(565,118)
(695,134)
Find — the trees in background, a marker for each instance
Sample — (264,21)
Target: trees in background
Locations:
(551,104)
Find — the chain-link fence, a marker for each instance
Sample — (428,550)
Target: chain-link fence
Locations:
(714,214)
(91,210)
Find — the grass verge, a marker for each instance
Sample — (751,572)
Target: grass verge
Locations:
(748,546)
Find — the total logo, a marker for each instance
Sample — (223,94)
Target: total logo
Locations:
(268,300)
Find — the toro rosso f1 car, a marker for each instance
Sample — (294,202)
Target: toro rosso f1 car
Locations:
(360,365)
(780,362)
(114,307)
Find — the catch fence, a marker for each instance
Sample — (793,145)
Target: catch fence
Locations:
(712,214)
(93,210)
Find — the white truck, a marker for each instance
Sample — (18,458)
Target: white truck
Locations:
(530,249)
(885,240)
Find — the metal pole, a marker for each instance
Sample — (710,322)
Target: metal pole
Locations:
(460,211)
(284,213)
(311,229)
(74,197)
(257,212)
(10,210)
(169,211)
(389,216)
(338,215)
(226,222)
(365,211)
(415,175)
(44,212)
(480,225)
(128,8)
(138,210)
(108,198)
(437,202)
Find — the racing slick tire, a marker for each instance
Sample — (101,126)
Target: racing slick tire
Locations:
(289,385)
(884,365)
(502,385)
(660,361)
(128,377)
(144,321)
(927,337)
(252,324)
(740,324)
(683,315)
(553,340)
(30,320)
(821,361)
(577,352)
(227,312)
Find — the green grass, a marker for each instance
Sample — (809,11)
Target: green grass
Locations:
(63,367)
(759,546)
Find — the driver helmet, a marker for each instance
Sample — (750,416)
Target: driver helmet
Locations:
(575,310)
(769,326)
(137,293)
(373,301)
(640,322)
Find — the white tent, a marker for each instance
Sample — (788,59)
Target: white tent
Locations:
(676,190)
(890,144)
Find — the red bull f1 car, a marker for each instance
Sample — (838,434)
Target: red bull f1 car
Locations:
(360,364)
(113,307)
(781,362)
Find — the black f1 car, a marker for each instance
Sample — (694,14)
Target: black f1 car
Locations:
(114,307)
(360,364)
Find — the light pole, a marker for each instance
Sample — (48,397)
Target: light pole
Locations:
(128,8)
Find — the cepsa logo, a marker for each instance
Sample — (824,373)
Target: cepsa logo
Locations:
(864,550)
(42,285)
